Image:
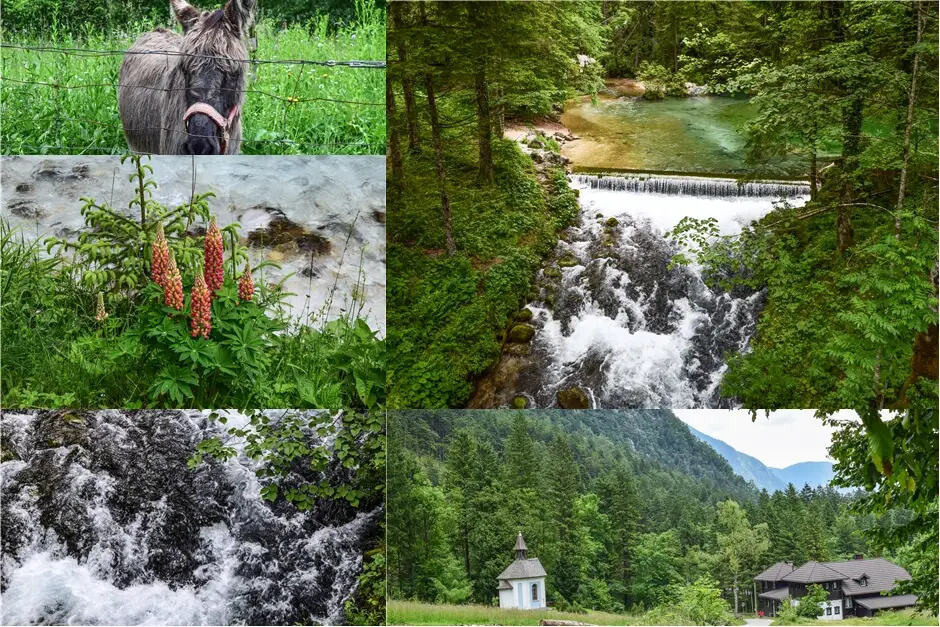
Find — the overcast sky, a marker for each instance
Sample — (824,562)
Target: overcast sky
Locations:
(788,436)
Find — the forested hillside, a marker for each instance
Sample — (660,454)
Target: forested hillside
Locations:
(620,507)
(469,216)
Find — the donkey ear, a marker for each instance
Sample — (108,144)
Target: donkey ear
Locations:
(241,13)
(185,13)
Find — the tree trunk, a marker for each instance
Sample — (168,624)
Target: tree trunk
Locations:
(736,593)
(851,147)
(910,122)
(439,162)
(813,166)
(484,128)
(394,138)
(407,84)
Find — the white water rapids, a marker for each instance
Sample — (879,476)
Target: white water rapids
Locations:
(104,524)
(618,323)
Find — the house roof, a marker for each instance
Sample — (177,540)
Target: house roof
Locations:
(777,595)
(523,569)
(775,572)
(880,603)
(882,575)
(814,572)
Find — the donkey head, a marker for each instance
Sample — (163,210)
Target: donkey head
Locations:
(213,70)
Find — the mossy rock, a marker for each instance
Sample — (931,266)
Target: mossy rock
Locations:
(599,216)
(573,398)
(552,272)
(612,222)
(568,261)
(7,455)
(522,333)
(520,402)
(525,315)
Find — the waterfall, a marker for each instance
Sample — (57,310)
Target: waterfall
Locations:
(103,523)
(615,320)
(694,186)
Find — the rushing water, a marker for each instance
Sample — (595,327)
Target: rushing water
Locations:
(615,321)
(103,523)
(698,134)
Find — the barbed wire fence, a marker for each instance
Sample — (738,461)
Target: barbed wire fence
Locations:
(115,121)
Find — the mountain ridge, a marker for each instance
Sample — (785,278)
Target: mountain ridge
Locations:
(814,473)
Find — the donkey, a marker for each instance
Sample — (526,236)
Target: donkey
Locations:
(188,102)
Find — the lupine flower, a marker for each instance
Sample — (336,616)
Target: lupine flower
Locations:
(201,308)
(173,286)
(214,250)
(246,286)
(160,261)
(100,313)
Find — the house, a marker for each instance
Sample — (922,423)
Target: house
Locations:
(522,584)
(855,586)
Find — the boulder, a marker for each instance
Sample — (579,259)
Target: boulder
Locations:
(573,398)
(522,333)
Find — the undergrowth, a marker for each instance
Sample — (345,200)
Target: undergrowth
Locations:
(94,326)
(44,119)
(446,314)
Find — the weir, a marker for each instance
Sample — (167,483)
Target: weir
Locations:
(694,186)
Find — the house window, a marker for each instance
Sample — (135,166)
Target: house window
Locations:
(828,611)
(836,610)
(535,592)
(848,601)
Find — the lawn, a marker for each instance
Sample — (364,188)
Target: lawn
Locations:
(904,617)
(411,613)
(294,115)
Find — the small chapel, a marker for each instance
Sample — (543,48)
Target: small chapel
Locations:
(522,584)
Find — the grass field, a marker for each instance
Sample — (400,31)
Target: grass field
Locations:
(410,613)
(889,619)
(44,119)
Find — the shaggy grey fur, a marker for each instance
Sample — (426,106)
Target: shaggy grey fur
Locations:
(156,90)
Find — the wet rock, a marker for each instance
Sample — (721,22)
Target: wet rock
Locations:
(25,208)
(286,235)
(568,260)
(612,222)
(379,216)
(573,398)
(520,402)
(552,272)
(525,315)
(24,187)
(522,333)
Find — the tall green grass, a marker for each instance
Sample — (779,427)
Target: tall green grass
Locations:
(42,119)
(411,613)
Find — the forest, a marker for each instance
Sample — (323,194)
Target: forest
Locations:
(626,510)
(848,89)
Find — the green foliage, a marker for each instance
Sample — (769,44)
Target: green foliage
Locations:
(884,618)
(809,603)
(700,603)
(47,120)
(367,607)
(446,313)
(660,82)
(56,353)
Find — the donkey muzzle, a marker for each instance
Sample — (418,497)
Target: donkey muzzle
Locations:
(224,123)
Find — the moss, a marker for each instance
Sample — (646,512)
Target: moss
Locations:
(520,402)
(525,315)
(522,333)
(612,222)
(552,272)
(568,260)
(573,398)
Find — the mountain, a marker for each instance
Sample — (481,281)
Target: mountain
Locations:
(813,473)
(752,469)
